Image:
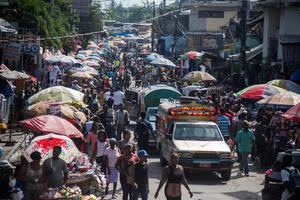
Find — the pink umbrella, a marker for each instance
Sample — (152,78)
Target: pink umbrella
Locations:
(293,113)
(52,124)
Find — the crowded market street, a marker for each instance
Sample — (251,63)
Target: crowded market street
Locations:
(144,101)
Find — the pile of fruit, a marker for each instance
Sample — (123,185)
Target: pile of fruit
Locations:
(62,193)
(91,197)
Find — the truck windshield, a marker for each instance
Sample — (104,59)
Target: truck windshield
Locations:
(200,132)
(151,115)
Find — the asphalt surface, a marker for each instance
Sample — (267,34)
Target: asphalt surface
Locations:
(208,186)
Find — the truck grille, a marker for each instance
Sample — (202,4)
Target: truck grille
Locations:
(210,155)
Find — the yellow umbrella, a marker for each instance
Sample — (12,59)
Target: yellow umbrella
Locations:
(58,94)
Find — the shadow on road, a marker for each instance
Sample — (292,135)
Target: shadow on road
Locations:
(244,195)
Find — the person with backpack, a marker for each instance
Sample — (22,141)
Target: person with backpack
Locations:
(142,131)
(289,176)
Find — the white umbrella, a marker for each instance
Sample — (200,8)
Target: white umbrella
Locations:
(163,61)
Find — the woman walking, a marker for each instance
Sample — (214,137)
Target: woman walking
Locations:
(34,182)
(174,176)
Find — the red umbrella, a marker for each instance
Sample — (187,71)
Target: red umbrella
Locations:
(293,113)
(52,124)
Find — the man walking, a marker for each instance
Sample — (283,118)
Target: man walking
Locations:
(55,170)
(224,124)
(121,121)
(118,98)
(245,139)
(142,132)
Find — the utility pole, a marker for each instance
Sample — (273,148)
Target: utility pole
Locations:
(175,31)
(52,6)
(243,25)
(152,30)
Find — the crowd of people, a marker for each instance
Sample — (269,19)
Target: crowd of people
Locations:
(122,155)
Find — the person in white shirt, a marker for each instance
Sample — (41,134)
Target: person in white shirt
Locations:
(53,75)
(118,98)
(100,148)
(111,155)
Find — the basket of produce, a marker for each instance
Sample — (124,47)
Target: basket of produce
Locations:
(64,193)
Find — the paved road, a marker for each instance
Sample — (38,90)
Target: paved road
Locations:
(207,186)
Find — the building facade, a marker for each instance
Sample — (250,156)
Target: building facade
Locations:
(281,36)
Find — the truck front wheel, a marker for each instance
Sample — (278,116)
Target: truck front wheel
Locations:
(226,175)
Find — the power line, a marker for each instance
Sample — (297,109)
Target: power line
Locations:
(89,33)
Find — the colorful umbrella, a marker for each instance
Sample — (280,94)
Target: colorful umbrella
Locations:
(45,144)
(193,55)
(259,91)
(293,113)
(82,75)
(286,84)
(69,60)
(281,99)
(65,111)
(52,124)
(58,94)
(198,76)
(163,62)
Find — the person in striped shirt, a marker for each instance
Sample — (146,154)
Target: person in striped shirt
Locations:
(224,123)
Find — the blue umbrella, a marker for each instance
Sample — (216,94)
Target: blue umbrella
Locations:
(153,56)
(295,76)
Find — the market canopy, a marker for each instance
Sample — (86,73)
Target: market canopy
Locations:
(293,113)
(52,124)
(198,76)
(58,94)
(281,99)
(45,144)
(6,27)
(286,84)
(259,91)
(163,62)
(13,75)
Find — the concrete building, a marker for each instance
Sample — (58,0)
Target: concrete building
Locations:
(206,20)
(281,39)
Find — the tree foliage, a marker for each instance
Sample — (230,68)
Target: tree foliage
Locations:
(135,13)
(36,17)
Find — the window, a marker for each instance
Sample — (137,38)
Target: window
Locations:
(198,132)
(210,14)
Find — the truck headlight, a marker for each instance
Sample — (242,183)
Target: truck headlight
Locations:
(185,154)
(225,155)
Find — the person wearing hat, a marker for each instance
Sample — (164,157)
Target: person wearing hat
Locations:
(111,155)
(141,176)
(245,139)
(33,177)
